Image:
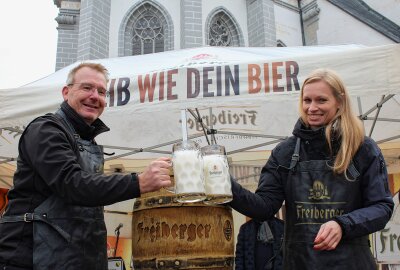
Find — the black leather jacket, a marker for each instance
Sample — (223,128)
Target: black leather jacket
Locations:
(48,163)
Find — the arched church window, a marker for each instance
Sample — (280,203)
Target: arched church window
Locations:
(148,32)
(222,31)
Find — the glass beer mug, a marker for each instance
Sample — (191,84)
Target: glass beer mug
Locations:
(187,164)
(216,174)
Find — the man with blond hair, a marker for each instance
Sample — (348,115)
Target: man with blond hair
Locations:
(54,218)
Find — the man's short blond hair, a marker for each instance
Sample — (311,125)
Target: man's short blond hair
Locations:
(98,67)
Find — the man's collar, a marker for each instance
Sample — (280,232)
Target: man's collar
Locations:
(85,131)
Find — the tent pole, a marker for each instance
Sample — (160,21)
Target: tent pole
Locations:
(388,139)
(198,119)
(252,147)
(360,111)
(122,148)
(16,130)
(148,149)
(362,117)
(213,140)
(383,119)
(254,135)
(205,129)
(6,159)
(379,106)
(172,142)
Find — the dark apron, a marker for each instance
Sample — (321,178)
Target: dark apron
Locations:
(314,195)
(84,246)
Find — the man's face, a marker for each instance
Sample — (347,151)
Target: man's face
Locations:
(87,94)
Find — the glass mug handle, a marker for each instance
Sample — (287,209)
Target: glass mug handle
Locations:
(171,188)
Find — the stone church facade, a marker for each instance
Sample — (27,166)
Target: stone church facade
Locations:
(94,29)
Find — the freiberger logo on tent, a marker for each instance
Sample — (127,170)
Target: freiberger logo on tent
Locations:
(203,56)
(233,119)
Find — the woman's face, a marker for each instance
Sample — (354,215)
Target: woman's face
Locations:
(319,104)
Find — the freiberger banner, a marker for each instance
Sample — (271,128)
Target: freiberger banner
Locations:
(387,241)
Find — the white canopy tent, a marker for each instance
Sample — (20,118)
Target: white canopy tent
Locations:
(246,97)
(250,95)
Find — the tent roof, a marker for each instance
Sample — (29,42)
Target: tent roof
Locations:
(202,56)
(249,95)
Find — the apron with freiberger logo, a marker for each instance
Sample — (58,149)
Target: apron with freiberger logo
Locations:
(314,195)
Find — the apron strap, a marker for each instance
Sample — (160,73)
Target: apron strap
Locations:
(61,115)
(32,217)
(353,171)
(295,156)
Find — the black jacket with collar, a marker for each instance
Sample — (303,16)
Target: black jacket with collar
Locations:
(48,164)
(377,202)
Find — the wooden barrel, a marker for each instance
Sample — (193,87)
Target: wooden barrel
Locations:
(171,235)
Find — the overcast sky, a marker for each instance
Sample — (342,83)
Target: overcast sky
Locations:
(28,41)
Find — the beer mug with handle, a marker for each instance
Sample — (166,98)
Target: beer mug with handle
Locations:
(187,163)
(216,174)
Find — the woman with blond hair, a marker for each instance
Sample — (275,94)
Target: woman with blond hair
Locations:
(332,178)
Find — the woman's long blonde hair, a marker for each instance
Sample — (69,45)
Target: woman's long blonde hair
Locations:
(345,125)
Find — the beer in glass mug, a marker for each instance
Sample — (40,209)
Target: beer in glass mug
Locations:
(216,174)
(187,162)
